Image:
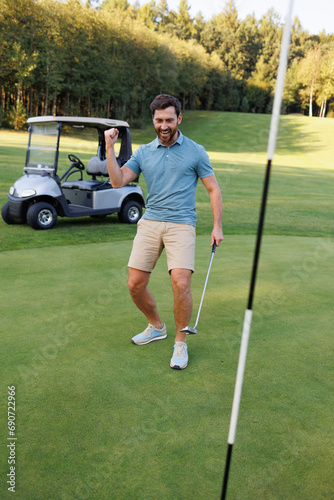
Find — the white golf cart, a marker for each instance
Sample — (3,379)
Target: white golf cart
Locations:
(40,196)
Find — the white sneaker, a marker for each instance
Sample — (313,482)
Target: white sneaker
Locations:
(149,334)
(179,359)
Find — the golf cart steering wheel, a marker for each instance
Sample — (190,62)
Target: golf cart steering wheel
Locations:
(75,162)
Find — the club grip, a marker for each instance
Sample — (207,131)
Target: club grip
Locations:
(214,246)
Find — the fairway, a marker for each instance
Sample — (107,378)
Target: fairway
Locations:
(100,418)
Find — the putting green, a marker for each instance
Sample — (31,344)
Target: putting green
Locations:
(100,418)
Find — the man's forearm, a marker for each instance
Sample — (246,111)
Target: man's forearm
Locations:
(217,211)
(115,173)
(216,202)
(217,208)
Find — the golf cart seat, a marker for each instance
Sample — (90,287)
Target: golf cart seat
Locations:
(95,167)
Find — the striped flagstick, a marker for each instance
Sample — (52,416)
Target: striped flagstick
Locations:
(249,311)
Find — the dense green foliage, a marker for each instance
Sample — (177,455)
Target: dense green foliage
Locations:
(109,58)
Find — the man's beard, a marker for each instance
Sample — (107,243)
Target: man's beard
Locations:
(168,136)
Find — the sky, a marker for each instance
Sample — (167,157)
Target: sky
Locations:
(314,15)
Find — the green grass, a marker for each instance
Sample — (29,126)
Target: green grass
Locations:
(100,418)
(97,414)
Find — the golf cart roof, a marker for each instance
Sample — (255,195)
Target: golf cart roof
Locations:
(103,123)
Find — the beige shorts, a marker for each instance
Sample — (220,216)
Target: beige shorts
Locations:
(152,237)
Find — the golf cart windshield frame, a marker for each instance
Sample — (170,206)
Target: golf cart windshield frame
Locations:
(44,136)
(43,148)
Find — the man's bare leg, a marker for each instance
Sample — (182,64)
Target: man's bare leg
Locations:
(142,297)
(181,279)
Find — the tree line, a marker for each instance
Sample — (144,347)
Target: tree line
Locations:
(109,58)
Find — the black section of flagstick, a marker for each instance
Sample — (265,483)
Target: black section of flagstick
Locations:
(227,468)
(259,235)
(251,295)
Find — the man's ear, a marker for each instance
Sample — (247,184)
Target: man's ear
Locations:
(179,119)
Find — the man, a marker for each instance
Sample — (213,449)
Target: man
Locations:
(171,165)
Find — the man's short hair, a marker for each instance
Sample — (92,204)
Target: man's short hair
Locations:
(163,101)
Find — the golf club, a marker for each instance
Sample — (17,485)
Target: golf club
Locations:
(188,329)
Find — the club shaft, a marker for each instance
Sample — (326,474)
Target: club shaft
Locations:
(206,282)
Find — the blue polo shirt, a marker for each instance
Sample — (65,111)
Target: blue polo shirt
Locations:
(171,175)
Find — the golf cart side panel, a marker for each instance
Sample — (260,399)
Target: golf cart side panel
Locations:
(105,199)
(78,196)
(114,197)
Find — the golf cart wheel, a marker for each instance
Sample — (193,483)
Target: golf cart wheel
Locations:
(131,212)
(5,212)
(42,215)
